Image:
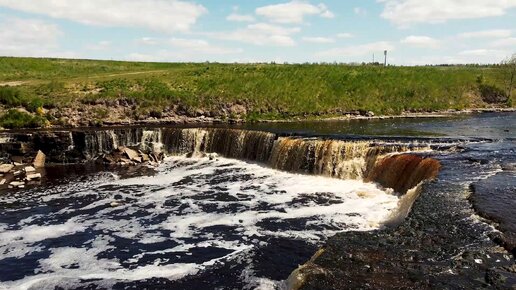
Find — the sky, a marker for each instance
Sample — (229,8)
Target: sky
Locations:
(414,32)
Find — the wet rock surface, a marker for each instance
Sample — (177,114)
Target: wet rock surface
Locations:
(501,210)
(127,156)
(441,245)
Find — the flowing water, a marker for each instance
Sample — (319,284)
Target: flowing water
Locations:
(243,218)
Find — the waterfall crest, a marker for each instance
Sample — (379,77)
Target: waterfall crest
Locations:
(390,164)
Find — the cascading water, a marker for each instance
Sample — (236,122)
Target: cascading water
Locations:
(197,216)
(204,221)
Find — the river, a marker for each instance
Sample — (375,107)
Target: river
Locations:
(249,216)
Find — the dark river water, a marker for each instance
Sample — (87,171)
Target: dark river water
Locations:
(217,223)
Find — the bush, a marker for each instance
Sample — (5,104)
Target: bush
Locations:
(14,97)
(15,119)
(492,95)
(10,96)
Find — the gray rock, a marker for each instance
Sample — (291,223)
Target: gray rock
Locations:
(29,169)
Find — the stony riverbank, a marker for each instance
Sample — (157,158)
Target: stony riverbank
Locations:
(442,244)
(232,114)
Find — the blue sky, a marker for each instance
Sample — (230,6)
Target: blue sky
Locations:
(414,32)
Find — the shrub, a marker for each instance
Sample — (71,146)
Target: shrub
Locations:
(492,94)
(15,119)
(10,96)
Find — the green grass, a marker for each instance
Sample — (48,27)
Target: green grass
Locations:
(266,90)
(15,119)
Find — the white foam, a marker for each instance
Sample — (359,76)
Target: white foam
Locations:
(160,210)
(17,243)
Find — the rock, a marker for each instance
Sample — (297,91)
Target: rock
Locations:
(3,181)
(157,157)
(17,183)
(114,204)
(130,153)
(110,159)
(39,160)
(124,161)
(145,158)
(33,176)
(237,110)
(29,169)
(5,168)
(370,114)
(509,166)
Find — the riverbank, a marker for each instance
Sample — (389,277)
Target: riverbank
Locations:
(77,93)
(84,123)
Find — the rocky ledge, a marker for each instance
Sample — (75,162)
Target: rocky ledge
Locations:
(442,244)
(20,171)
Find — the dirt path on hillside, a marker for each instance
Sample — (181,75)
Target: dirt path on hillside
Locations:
(12,84)
(134,73)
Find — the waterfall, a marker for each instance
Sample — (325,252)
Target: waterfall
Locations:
(338,159)
(404,171)
(332,158)
(99,142)
(389,164)
(238,144)
(151,141)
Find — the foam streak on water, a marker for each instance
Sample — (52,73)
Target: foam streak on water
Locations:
(193,217)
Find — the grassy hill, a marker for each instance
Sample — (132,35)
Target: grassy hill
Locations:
(54,90)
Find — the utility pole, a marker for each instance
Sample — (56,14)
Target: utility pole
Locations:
(385,62)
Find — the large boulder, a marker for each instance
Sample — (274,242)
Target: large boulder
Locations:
(39,160)
(131,154)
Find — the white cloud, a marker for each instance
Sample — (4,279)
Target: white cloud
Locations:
(357,50)
(345,35)
(318,39)
(509,42)
(494,33)
(160,15)
(421,41)
(187,46)
(407,12)
(29,37)
(201,46)
(261,34)
(293,12)
(240,17)
(148,41)
(482,52)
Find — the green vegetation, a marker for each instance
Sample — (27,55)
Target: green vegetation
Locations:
(267,91)
(13,97)
(15,119)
